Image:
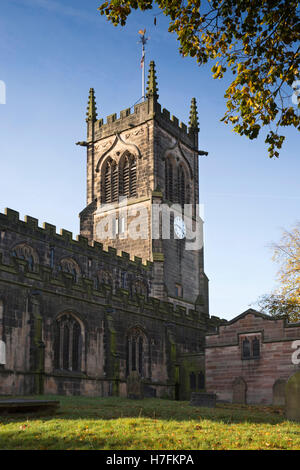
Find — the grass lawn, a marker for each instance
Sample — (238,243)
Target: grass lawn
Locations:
(123,424)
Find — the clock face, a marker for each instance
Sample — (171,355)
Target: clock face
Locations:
(179,227)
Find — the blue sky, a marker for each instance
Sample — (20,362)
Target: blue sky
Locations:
(51,53)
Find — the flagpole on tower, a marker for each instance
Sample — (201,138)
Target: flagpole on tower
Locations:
(143,40)
(143,77)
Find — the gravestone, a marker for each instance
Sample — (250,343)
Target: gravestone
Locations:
(239,391)
(207,400)
(292,397)
(135,387)
(2,353)
(279,392)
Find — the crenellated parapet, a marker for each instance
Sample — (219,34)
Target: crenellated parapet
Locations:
(48,272)
(215,323)
(42,254)
(139,114)
(10,220)
(142,113)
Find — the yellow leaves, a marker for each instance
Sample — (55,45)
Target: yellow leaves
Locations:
(247,49)
(240,67)
(287,253)
(235,33)
(217,71)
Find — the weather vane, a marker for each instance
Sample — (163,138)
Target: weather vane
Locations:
(143,40)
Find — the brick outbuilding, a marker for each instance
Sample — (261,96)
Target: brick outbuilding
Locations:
(249,358)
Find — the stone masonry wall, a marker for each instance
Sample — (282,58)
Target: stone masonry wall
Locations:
(36,291)
(151,134)
(224,363)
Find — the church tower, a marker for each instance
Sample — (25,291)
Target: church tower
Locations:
(143,193)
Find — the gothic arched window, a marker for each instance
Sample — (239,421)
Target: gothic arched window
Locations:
(69,265)
(68,343)
(136,352)
(139,287)
(105,277)
(27,253)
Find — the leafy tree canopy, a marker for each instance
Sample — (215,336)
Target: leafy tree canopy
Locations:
(285,301)
(258,41)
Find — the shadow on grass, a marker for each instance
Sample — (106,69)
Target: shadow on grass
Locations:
(111,408)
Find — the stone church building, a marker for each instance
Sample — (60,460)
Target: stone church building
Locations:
(123,310)
(123,316)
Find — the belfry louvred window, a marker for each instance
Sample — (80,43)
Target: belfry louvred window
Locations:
(133,178)
(110,182)
(126,179)
(128,176)
(169,180)
(181,186)
(107,184)
(115,183)
(119,179)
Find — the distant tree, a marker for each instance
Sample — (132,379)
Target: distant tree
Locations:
(280,307)
(285,301)
(257,40)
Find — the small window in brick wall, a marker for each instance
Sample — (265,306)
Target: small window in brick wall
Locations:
(250,347)
(246,348)
(255,347)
